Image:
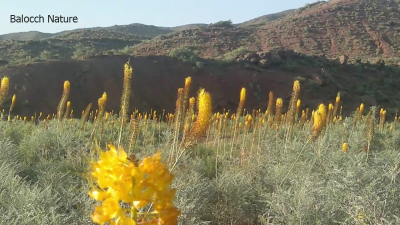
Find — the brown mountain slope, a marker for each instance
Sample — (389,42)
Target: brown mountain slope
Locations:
(210,42)
(266,18)
(352,27)
(156,78)
(357,28)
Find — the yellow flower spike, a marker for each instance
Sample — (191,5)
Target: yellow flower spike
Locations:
(203,118)
(242,95)
(4,88)
(330,107)
(241,102)
(249,118)
(345,147)
(318,124)
(323,114)
(5,82)
(13,100)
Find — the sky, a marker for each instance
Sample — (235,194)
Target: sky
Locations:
(166,13)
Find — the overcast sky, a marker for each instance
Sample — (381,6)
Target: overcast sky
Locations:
(167,13)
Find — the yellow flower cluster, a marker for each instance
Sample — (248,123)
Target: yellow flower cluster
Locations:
(119,179)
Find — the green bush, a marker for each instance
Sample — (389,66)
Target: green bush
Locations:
(185,54)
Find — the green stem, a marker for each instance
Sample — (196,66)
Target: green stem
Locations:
(134,213)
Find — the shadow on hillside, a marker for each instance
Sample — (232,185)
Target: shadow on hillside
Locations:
(156,79)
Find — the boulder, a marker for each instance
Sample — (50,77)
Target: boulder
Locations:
(254,60)
(264,63)
(262,55)
(343,59)
(240,60)
(250,55)
(317,78)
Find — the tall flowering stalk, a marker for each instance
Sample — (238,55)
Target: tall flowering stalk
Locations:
(270,107)
(203,121)
(241,103)
(119,179)
(4,88)
(293,103)
(126,91)
(63,101)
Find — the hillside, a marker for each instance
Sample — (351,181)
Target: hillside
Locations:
(359,29)
(156,79)
(362,30)
(134,29)
(30,35)
(356,28)
(79,44)
(266,18)
(137,28)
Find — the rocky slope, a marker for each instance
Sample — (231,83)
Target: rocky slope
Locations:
(357,28)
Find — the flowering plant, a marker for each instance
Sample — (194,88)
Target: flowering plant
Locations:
(118,179)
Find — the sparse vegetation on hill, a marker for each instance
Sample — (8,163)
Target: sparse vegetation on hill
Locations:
(81,44)
(358,29)
(266,18)
(131,29)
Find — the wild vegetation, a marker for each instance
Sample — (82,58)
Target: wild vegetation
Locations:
(244,167)
(76,45)
(285,163)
